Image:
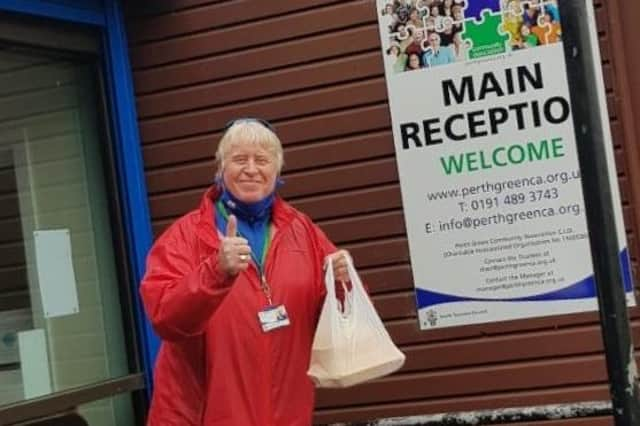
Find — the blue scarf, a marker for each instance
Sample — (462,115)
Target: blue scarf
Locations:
(253,220)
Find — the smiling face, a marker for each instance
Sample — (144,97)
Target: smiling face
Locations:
(434,41)
(249,172)
(249,160)
(414,61)
(457,13)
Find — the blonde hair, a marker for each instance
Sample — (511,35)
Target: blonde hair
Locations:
(248,131)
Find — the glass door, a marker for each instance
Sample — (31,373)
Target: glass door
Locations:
(61,320)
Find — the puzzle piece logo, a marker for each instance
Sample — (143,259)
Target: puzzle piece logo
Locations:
(485,37)
(475,8)
(531,22)
(467,29)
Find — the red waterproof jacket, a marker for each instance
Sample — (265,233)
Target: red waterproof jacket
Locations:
(216,366)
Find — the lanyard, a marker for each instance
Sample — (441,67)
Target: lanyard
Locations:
(264,285)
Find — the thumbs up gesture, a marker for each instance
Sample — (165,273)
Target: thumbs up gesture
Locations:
(234,254)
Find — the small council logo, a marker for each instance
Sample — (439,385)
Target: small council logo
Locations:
(432,317)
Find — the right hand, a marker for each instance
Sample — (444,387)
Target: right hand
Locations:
(234,254)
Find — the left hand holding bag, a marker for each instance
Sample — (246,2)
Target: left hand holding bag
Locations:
(340,264)
(351,344)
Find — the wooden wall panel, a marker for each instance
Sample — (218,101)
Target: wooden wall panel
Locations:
(271,108)
(270,57)
(213,16)
(621,118)
(276,29)
(313,68)
(14,288)
(260,85)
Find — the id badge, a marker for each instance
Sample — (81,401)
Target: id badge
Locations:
(273,317)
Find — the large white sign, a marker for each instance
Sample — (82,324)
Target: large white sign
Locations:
(488,162)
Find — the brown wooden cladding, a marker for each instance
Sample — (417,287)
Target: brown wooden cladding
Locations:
(14,289)
(313,68)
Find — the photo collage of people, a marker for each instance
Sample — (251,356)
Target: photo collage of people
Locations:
(429,33)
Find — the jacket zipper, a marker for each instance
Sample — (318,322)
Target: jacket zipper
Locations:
(271,415)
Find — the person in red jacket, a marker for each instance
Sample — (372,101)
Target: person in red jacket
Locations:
(234,289)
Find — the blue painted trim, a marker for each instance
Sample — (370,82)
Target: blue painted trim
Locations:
(55,11)
(131,169)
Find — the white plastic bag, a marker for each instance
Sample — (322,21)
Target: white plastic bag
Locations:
(351,345)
